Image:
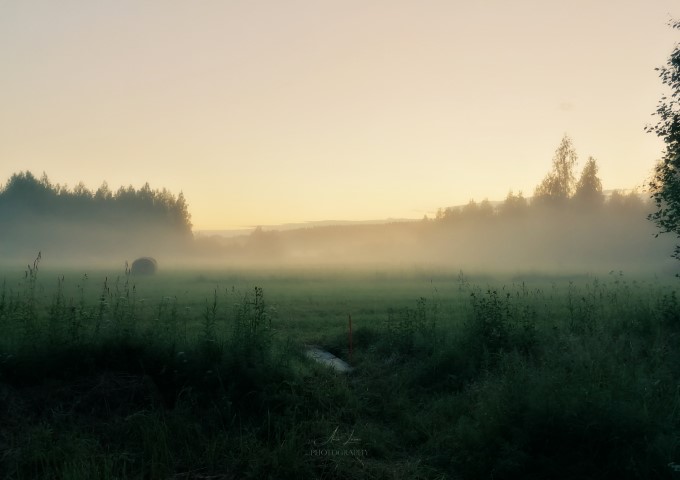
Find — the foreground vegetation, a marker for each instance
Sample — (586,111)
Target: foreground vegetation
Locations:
(194,376)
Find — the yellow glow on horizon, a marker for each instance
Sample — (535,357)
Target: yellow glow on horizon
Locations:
(267,113)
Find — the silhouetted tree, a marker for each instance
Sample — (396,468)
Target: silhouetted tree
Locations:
(630,204)
(103,193)
(24,191)
(665,185)
(486,210)
(558,185)
(514,205)
(264,243)
(180,209)
(448,214)
(471,210)
(589,187)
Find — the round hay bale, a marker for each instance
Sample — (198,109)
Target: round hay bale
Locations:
(144,266)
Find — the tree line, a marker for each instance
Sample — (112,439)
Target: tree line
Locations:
(24,194)
(558,192)
(34,210)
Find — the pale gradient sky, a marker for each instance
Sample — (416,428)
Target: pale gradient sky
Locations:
(273,111)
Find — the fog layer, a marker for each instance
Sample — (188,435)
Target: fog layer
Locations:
(575,234)
(615,235)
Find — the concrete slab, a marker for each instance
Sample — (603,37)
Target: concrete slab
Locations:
(326,358)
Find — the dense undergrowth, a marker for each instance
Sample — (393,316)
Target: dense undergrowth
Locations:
(524,383)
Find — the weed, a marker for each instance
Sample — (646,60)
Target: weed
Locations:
(28,304)
(669,308)
(252,327)
(410,329)
(581,311)
(211,347)
(490,328)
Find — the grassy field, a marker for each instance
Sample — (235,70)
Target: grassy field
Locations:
(202,375)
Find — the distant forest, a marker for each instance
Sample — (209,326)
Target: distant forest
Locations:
(612,233)
(568,224)
(38,215)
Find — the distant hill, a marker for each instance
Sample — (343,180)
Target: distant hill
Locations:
(235,232)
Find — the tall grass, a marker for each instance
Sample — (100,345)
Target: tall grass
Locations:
(569,380)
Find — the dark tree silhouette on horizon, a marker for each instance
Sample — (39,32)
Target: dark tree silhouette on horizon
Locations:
(588,193)
(558,185)
(35,210)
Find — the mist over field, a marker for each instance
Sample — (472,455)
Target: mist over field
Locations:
(569,226)
(105,229)
(561,241)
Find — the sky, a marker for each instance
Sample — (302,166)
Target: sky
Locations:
(269,111)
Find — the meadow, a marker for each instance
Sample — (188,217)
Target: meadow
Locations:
(202,374)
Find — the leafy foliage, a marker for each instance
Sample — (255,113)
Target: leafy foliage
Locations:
(589,186)
(558,185)
(665,184)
